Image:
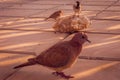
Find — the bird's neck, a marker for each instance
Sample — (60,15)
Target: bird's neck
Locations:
(75,43)
(78,4)
(77,47)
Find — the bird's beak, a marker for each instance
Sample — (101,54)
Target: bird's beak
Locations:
(88,40)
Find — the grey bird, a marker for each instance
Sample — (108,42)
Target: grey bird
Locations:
(55,15)
(77,8)
(60,56)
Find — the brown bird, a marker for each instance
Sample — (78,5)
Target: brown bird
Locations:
(60,56)
(55,15)
(77,7)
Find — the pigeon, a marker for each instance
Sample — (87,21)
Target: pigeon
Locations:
(55,15)
(77,7)
(60,56)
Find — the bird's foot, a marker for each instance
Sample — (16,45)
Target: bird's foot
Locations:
(72,32)
(62,75)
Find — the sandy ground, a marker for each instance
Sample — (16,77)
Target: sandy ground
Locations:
(17,45)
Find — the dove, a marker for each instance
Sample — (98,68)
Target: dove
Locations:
(55,15)
(60,56)
(77,8)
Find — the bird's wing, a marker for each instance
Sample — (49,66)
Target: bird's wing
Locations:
(54,14)
(56,56)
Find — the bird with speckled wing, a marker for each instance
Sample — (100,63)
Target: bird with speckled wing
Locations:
(55,15)
(60,56)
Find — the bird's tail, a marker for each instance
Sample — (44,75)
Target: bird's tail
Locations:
(28,63)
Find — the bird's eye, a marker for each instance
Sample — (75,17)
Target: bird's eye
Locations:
(83,37)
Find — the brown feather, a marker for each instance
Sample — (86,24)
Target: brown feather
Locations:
(56,56)
(55,15)
(61,55)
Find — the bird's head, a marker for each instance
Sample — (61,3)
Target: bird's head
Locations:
(60,12)
(77,2)
(80,38)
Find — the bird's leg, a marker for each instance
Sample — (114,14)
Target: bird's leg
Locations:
(72,32)
(66,76)
(62,75)
(74,15)
(78,14)
(55,32)
(56,73)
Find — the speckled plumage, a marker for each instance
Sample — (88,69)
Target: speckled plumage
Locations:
(55,15)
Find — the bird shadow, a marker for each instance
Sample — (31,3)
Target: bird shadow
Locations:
(40,74)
